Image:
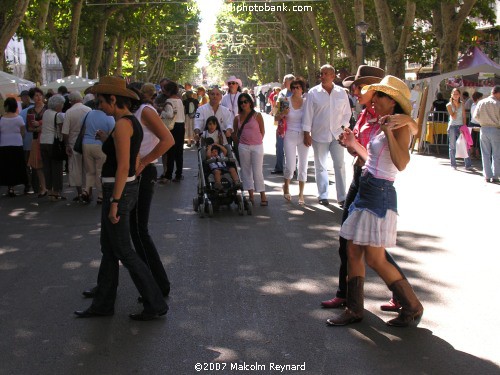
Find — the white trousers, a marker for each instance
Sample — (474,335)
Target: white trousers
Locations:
(293,146)
(321,151)
(75,166)
(93,159)
(251,163)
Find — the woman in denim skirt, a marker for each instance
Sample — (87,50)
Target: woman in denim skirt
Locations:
(371,224)
(120,189)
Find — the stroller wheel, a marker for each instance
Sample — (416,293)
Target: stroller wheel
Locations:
(196,204)
(210,209)
(241,208)
(201,210)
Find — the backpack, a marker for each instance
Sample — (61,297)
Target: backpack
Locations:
(168,115)
(191,110)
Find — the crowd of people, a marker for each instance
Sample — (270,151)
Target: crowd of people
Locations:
(122,130)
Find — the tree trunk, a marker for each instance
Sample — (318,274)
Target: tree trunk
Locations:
(109,55)
(321,56)
(8,27)
(393,49)
(447,24)
(33,62)
(120,49)
(353,53)
(33,50)
(66,49)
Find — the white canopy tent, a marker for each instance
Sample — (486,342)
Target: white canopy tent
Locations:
(13,85)
(477,62)
(72,83)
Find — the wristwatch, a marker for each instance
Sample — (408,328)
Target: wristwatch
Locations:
(114,200)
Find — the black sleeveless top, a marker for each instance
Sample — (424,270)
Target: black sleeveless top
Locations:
(108,147)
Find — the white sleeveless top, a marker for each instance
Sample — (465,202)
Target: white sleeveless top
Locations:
(149,141)
(294,118)
(379,162)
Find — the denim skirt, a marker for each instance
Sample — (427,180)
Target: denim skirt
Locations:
(372,219)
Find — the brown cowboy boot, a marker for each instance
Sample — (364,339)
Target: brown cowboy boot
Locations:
(355,304)
(411,309)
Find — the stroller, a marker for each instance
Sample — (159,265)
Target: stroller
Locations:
(211,197)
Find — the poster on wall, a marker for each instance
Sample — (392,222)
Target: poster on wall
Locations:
(486,79)
(455,81)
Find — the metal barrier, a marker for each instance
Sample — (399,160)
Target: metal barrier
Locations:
(437,130)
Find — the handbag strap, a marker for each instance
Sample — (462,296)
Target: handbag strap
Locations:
(240,128)
(83,128)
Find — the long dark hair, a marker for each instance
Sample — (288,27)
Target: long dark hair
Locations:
(249,98)
(215,120)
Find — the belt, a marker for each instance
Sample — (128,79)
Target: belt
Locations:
(112,179)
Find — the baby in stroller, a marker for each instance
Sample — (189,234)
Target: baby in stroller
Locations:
(216,156)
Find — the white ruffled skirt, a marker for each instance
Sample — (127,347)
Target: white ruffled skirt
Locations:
(367,229)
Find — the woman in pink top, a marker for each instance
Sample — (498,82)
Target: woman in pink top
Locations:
(249,130)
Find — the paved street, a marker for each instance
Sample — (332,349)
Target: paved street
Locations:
(246,289)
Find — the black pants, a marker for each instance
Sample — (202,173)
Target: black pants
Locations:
(176,152)
(139,231)
(351,194)
(116,246)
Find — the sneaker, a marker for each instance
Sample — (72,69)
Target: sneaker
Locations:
(470,168)
(178,179)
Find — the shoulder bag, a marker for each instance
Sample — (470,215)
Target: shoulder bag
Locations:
(78,147)
(58,148)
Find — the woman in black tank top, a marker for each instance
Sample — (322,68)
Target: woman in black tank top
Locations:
(120,189)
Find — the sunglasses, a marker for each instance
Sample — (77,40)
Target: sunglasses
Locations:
(295,87)
(232,83)
(243,102)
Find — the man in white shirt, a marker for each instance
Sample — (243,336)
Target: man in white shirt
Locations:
(487,114)
(71,128)
(326,110)
(213,108)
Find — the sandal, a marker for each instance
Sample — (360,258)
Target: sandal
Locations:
(264,203)
(11,193)
(99,200)
(301,201)
(286,194)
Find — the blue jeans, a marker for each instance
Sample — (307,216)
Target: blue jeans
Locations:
(490,151)
(336,151)
(139,231)
(116,246)
(453,134)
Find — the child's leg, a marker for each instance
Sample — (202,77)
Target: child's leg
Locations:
(217,175)
(234,175)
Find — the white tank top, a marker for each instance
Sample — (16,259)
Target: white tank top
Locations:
(379,162)
(294,118)
(149,141)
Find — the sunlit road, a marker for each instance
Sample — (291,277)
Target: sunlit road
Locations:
(246,289)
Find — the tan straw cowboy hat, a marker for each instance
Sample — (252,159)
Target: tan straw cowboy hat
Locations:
(395,88)
(366,75)
(113,86)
